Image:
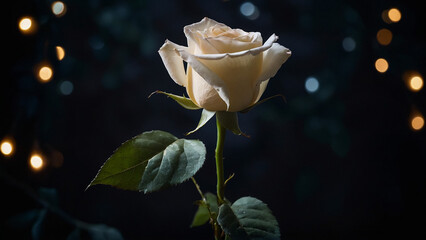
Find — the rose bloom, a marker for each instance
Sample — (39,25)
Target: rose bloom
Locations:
(228,69)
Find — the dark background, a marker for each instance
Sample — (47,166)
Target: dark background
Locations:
(340,163)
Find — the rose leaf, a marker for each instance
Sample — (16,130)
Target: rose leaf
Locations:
(248,218)
(151,161)
(207,207)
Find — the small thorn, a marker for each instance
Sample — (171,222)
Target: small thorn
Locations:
(229,178)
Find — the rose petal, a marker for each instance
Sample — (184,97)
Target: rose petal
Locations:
(224,44)
(260,90)
(191,31)
(173,62)
(273,58)
(202,93)
(239,74)
(203,46)
(208,75)
(253,51)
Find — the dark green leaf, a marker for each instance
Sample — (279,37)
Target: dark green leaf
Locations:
(176,164)
(75,234)
(49,195)
(205,117)
(202,215)
(38,227)
(104,232)
(183,101)
(248,218)
(25,219)
(152,161)
(94,232)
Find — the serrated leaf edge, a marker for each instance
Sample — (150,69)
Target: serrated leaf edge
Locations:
(100,169)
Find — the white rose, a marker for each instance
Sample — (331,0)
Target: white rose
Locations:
(228,69)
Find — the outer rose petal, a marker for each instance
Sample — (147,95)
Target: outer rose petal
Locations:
(273,58)
(173,62)
(202,93)
(238,73)
(207,75)
(260,90)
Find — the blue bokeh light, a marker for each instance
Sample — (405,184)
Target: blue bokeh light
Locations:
(311,84)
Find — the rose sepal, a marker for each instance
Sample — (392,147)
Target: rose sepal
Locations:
(181,100)
(262,101)
(229,120)
(206,115)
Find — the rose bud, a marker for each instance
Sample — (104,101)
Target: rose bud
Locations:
(228,69)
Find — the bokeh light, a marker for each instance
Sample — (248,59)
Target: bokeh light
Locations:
(6,147)
(311,84)
(249,10)
(44,73)
(66,87)
(59,8)
(417,122)
(384,36)
(36,162)
(348,44)
(394,14)
(60,53)
(381,65)
(27,25)
(413,80)
(416,83)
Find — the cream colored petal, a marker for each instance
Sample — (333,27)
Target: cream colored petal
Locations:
(253,51)
(192,31)
(238,75)
(203,46)
(173,62)
(205,23)
(251,37)
(202,93)
(207,74)
(273,58)
(223,44)
(260,90)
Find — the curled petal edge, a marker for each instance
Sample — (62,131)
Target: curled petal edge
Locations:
(173,62)
(253,51)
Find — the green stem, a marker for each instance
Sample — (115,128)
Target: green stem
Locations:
(221,131)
